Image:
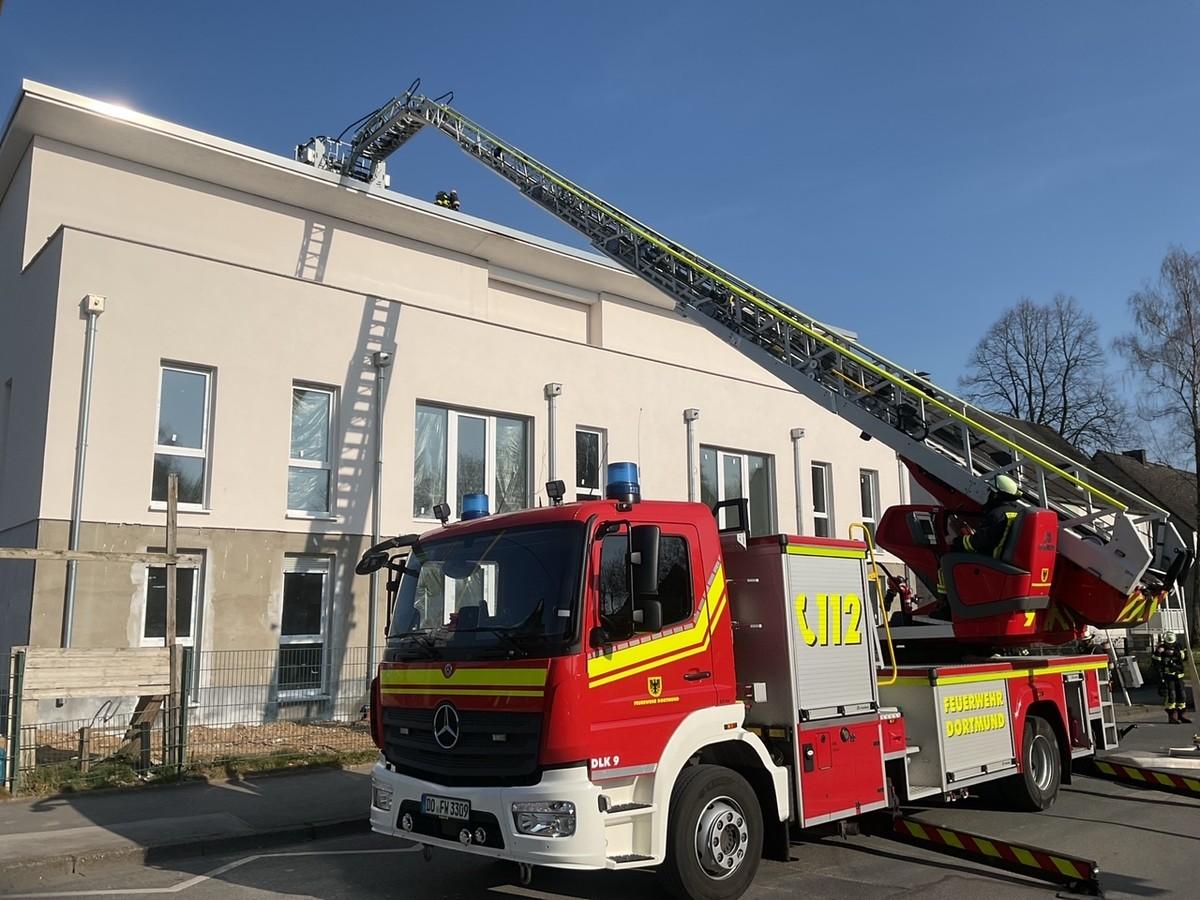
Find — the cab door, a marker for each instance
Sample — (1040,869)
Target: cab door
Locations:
(641,685)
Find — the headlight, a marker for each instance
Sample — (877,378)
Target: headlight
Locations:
(554,818)
(381,797)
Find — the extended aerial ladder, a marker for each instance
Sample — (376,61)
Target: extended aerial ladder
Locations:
(1108,537)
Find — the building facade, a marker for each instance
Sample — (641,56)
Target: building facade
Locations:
(247,298)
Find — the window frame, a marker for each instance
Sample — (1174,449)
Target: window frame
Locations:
(743,457)
(326,465)
(204,452)
(197,600)
(828,515)
(490,419)
(306,565)
(582,493)
(872,482)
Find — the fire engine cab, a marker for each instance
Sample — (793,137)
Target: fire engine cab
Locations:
(621,683)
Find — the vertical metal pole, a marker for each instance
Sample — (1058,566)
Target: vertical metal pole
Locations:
(693,483)
(798,470)
(16,701)
(172,575)
(382,360)
(184,698)
(551,392)
(93,306)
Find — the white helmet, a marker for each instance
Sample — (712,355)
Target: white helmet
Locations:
(1006,485)
(1169,637)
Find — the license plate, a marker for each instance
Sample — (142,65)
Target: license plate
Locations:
(445,807)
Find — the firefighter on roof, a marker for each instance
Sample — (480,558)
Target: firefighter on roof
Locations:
(1168,657)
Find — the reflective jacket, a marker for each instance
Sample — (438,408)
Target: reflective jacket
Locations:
(1169,659)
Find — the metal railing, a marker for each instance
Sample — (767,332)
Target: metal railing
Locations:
(244,710)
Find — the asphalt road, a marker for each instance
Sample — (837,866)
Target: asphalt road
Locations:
(1146,843)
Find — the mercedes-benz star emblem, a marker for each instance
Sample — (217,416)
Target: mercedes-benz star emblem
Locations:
(446,726)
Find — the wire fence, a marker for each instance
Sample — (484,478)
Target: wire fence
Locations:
(244,710)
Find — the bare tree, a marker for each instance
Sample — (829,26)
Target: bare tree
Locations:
(1164,353)
(1044,363)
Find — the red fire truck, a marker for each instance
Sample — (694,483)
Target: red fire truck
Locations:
(616,683)
(620,683)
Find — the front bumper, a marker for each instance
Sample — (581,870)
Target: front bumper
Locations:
(491,810)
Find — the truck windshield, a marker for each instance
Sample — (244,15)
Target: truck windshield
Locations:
(509,592)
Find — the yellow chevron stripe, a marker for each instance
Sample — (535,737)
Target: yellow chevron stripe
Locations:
(951,838)
(1134,774)
(603,668)
(522,677)
(1025,856)
(1192,784)
(988,848)
(1105,768)
(1067,867)
(1163,778)
(916,830)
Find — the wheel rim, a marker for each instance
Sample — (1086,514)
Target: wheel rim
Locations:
(1041,766)
(722,838)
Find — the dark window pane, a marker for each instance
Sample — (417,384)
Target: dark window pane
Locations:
(866,490)
(733,478)
(512,465)
(821,527)
(616,608)
(760,494)
(181,409)
(310,424)
(156,602)
(300,667)
(819,498)
(191,477)
(308,489)
(303,596)
(674,580)
(708,477)
(472,453)
(429,467)
(587,460)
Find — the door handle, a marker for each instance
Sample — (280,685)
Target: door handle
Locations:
(696,675)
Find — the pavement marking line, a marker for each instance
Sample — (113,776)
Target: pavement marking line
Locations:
(207,876)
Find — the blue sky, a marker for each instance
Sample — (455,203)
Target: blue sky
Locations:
(904,169)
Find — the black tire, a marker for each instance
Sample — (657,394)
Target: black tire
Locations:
(712,803)
(1035,788)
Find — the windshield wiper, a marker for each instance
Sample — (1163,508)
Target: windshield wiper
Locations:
(424,640)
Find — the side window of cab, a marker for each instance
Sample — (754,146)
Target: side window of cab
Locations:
(615,596)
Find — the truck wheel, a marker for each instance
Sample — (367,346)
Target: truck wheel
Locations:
(714,835)
(1036,787)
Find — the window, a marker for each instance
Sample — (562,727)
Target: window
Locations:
(868,489)
(309,466)
(616,597)
(154,617)
(590,450)
(459,453)
(729,475)
(822,499)
(184,397)
(302,627)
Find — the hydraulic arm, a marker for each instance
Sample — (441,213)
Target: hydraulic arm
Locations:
(1109,535)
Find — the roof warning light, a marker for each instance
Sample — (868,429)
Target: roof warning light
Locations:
(622,484)
(474,506)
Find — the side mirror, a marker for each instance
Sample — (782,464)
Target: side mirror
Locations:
(643,554)
(648,616)
(372,561)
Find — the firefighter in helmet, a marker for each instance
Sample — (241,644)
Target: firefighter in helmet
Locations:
(442,199)
(999,513)
(1168,659)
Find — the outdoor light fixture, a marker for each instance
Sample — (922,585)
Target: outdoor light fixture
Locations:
(556,490)
(864,436)
(442,512)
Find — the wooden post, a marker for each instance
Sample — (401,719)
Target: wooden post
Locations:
(85,750)
(172,575)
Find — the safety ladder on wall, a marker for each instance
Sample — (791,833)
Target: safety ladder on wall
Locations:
(1103,527)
